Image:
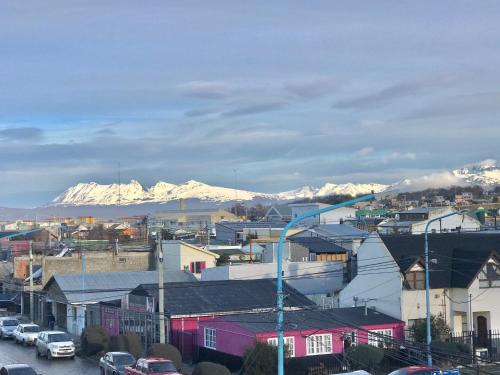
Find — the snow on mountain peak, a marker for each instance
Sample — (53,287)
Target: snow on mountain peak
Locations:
(485,173)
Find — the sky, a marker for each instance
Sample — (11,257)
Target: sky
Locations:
(263,95)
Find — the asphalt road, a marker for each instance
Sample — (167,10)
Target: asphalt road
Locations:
(11,353)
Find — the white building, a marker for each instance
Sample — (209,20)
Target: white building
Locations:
(464,279)
(414,222)
(319,281)
(181,256)
(331,217)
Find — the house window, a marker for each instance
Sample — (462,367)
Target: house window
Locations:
(197,267)
(289,345)
(210,338)
(349,339)
(319,344)
(380,337)
(416,279)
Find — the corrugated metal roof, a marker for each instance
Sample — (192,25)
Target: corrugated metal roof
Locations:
(109,286)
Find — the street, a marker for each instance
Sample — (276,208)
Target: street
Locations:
(11,353)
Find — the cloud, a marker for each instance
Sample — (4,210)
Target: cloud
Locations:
(24,134)
(254,109)
(365,151)
(443,179)
(310,89)
(460,105)
(200,112)
(394,92)
(104,132)
(208,89)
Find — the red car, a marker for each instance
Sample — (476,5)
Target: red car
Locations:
(417,370)
(157,366)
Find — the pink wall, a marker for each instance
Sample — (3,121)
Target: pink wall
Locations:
(233,339)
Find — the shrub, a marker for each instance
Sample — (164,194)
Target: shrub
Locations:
(364,357)
(439,329)
(94,340)
(134,345)
(261,359)
(166,351)
(209,368)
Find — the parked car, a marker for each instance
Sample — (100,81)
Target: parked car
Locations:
(26,334)
(54,344)
(417,370)
(7,327)
(158,366)
(17,370)
(114,363)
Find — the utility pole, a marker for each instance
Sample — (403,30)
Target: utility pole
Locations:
(161,295)
(32,299)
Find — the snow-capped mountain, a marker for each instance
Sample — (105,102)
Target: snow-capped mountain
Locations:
(485,173)
(92,193)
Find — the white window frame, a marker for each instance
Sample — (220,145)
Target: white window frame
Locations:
(315,344)
(210,338)
(374,340)
(289,344)
(353,335)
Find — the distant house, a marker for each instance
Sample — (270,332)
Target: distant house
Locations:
(192,218)
(331,217)
(238,232)
(179,255)
(80,300)
(320,249)
(464,279)
(279,213)
(308,332)
(414,221)
(186,305)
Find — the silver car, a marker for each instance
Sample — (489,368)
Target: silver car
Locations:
(54,344)
(7,327)
(114,363)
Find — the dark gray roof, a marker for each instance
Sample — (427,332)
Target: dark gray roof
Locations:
(340,230)
(318,245)
(108,286)
(222,296)
(282,209)
(311,319)
(227,251)
(459,256)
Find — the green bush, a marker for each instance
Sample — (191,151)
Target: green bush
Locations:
(94,340)
(166,351)
(364,357)
(261,359)
(134,345)
(209,368)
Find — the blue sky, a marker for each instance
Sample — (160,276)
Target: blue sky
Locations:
(289,93)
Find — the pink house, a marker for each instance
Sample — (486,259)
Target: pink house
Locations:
(307,332)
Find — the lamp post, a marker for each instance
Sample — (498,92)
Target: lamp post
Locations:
(427,288)
(294,221)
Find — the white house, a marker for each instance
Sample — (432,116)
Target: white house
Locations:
(464,279)
(317,280)
(179,255)
(414,221)
(331,217)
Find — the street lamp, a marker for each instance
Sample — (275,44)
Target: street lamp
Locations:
(280,261)
(427,289)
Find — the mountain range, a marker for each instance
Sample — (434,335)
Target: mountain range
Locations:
(485,173)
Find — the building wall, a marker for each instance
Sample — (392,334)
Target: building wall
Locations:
(380,285)
(292,252)
(96,262)
(485,302)
(449,223)
(233,339)
(179,256)
(329,282)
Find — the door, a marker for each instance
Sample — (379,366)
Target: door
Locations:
(482,331)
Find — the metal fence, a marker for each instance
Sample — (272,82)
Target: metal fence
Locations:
(483,346)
